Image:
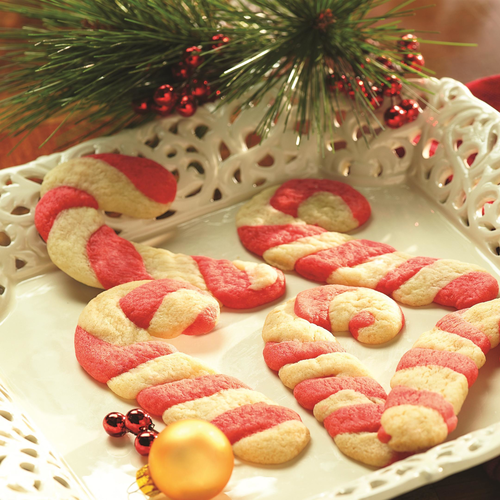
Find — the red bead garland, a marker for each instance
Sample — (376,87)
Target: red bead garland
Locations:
(141,106)
(415,61)
(220,40)
(138,422)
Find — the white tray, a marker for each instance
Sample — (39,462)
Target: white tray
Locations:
(414,210)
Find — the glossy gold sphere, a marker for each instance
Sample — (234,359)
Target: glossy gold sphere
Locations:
(191,460)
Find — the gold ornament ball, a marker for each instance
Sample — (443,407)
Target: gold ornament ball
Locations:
(191,460)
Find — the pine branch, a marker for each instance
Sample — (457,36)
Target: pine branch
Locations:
(91,58)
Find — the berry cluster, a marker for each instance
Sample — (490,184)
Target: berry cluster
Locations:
(135,421)
(188,89)
(398,114)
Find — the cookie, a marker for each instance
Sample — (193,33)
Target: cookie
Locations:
(433,378)
(80,244)
(324,378)
(272,230)
(116,343)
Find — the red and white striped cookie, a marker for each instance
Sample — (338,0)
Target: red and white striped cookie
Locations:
(323,376)
(79,243)
(433,378)
(268,227)
(116,342)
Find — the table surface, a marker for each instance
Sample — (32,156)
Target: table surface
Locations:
(476,21)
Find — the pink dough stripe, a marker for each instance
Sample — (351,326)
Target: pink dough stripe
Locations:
(359,321)
(149,177)
(103,361)
(114,260)
(319,266)
(141,304)
(429,357)
(249,419)
(55,201)
(353,419)
(402,395)
(160,398)
(205,321)
(292,193)
(310,392)
(230,285)
(279,354)
(455,323)
(258,239)
(397,277)
(468,290)
(313,305)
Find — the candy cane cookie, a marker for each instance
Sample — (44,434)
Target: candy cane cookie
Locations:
(433,378)
(117,343)
(275,226)
(326,379)
(80,244)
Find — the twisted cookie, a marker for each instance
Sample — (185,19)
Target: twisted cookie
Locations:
(268,226)
(80,244)
(433,378)
(326,379)
(115,344)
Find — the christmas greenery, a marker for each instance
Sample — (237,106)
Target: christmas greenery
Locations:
(91,59)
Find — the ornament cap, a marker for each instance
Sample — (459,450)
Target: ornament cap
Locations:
(145,482)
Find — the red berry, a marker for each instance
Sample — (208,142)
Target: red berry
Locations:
(114,424)
(144,440)
(414,60)
(181,71)
(385,61)
(395,117)
(220,40)
(409,42)
(200,89)
(192,57)
(165,95)
(161,110)
(187,106)
(137,420)
(412,109)
(141,106)
(393,86)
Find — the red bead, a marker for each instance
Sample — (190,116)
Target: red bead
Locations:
(181,71)
(409,42)
(412,109)
(141,107)
(137,420)
(377,99)
(393,86)
(200,89)
(220,40)
(166,96)
(192,57)
(162,110)
(414,60)
(187,106)
(395,117)
(385,61)
(144,440)
(114,424)
(214,96)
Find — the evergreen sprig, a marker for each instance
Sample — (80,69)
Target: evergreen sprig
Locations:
(88,59)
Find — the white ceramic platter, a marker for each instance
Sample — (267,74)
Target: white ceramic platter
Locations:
(414,210)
